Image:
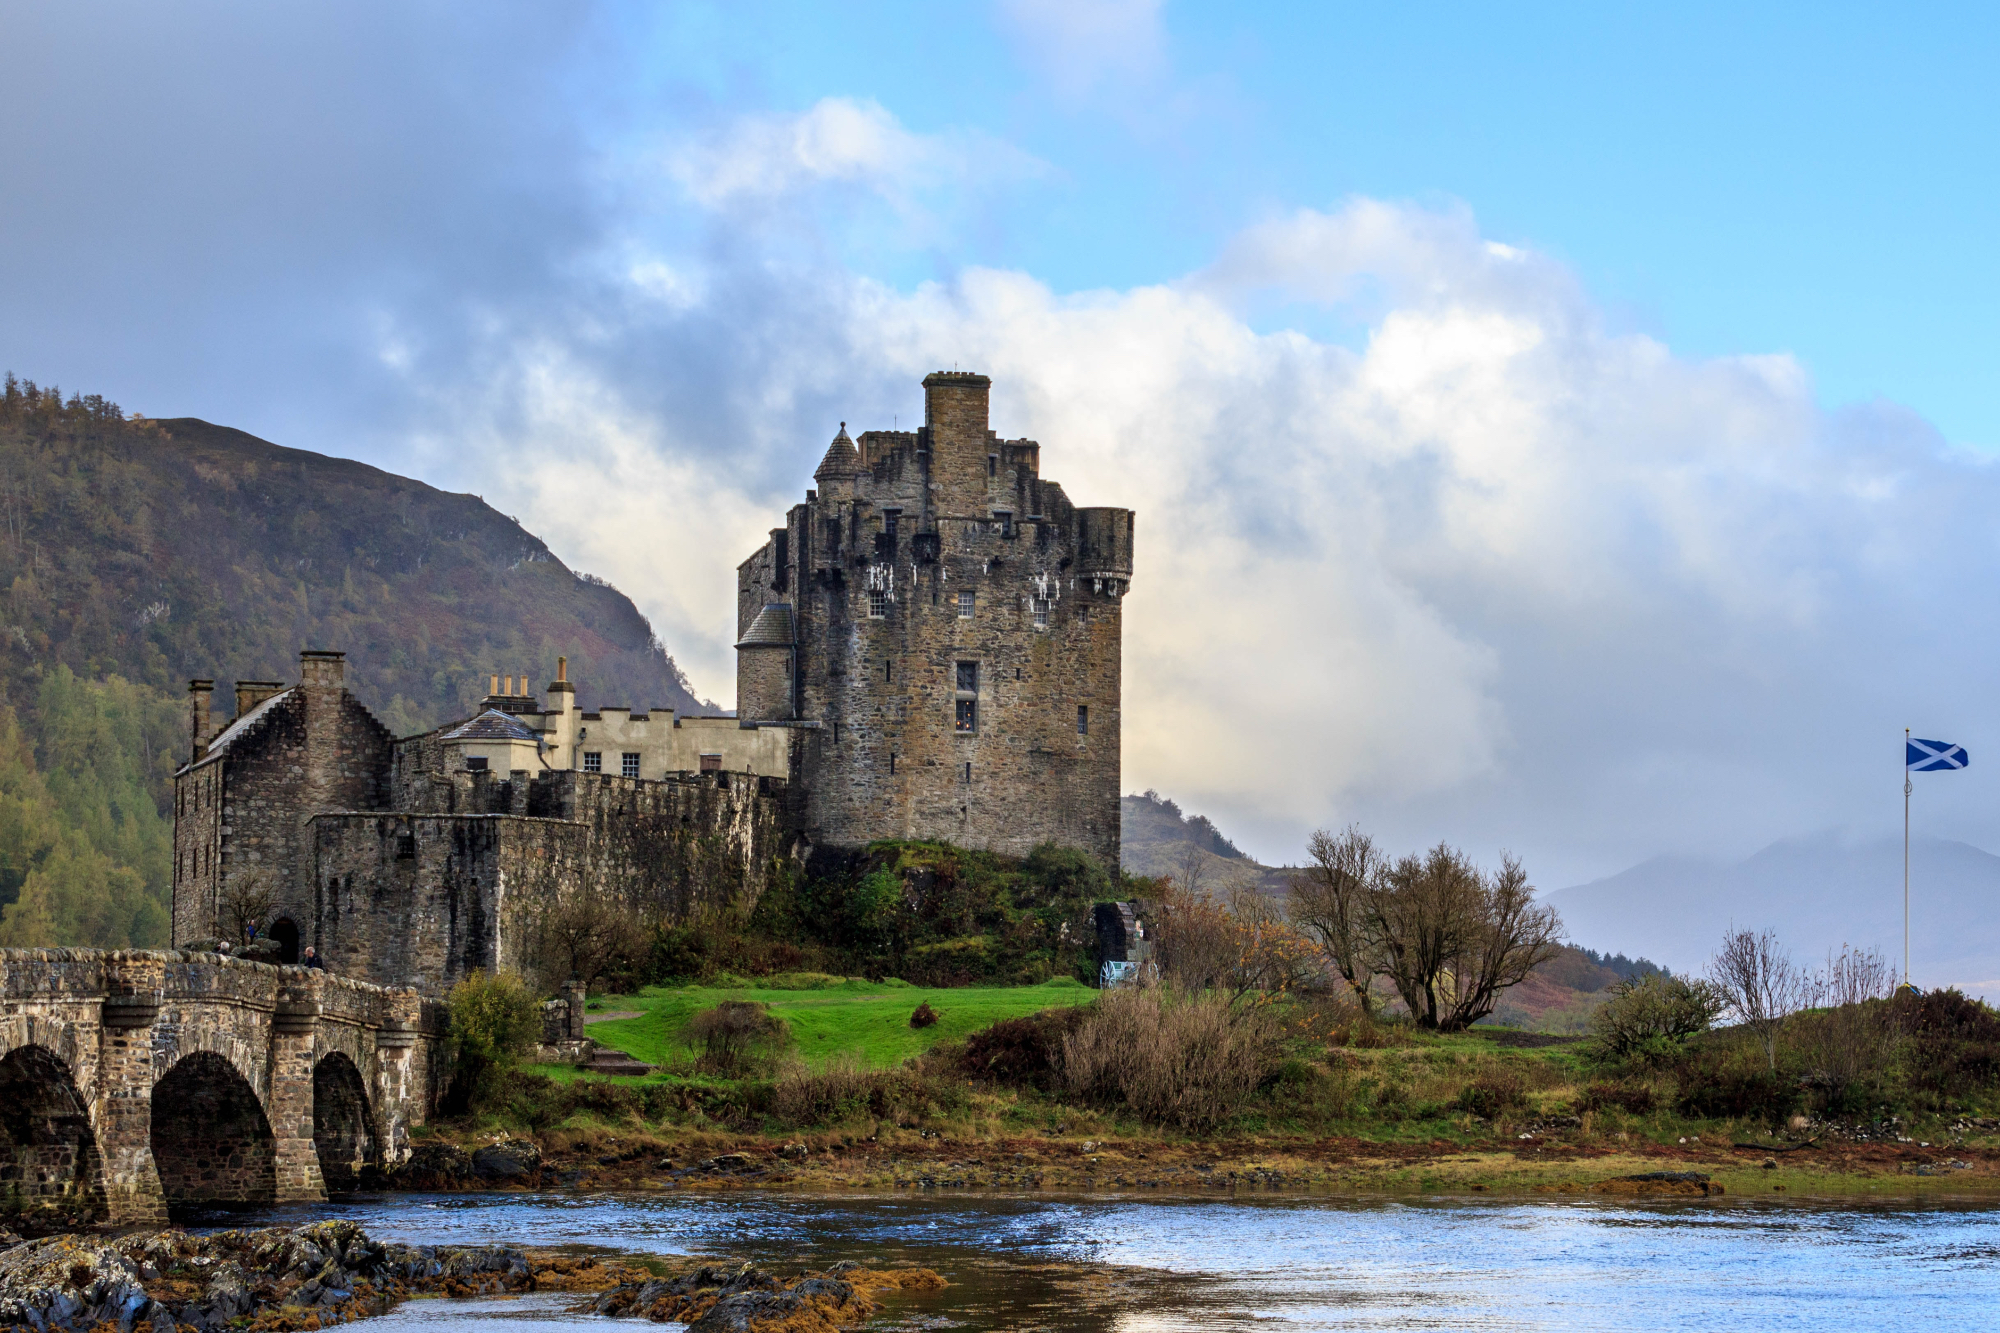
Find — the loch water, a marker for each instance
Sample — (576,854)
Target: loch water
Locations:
(1122,1265)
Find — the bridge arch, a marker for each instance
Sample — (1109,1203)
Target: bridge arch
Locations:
(48,1148)
(211,1140)
(343,1123)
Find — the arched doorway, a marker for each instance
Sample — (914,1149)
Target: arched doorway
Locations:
(211,1140)
(48,1153)
(286,932)
(343,1131)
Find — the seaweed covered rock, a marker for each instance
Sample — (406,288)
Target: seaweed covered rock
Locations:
(168,1280)
(750,1300)
(70,1282)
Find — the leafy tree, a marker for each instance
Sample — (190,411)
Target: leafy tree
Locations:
(494,1022)
(1655,1014)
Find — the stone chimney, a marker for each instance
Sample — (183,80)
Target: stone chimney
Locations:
(250,693)
(200,692)
(323,670)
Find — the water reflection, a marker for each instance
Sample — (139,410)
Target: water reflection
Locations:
(1136,1266)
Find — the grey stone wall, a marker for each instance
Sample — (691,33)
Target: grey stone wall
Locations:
(874,565)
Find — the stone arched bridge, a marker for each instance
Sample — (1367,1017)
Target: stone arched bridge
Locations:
(131,1080)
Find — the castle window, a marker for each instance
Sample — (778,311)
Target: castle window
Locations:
(968,714)
(889,670)
(968,678)
(878,603)
(628,765)
(475,763)
(965,606)
(992,465)
(1083,719)
(892,761)
(1041,609)
(711,763)
(968,770)
(889,517)
(1006,519)
(593,762)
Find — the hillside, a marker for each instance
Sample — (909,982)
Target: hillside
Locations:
(1819,893)
(135,554)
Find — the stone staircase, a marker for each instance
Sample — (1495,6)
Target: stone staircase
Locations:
(604,1060)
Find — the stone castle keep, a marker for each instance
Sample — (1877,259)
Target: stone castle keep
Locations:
(940,629)
(929,648)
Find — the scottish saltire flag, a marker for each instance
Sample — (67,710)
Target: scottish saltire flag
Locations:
(1933,756)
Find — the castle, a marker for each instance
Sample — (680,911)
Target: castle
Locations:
(941,629)
(929,648)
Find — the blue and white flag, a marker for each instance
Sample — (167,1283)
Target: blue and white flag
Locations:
(1934,756)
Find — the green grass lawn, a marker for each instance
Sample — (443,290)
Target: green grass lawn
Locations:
(871,1019)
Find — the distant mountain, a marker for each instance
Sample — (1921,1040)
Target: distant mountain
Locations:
(1818,893)
(160,550)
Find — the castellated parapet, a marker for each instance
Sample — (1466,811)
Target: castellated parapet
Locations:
(940,631)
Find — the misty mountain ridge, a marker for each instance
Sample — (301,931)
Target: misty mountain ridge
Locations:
(1819,892)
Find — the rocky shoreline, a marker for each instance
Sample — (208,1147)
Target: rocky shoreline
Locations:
(279,1280)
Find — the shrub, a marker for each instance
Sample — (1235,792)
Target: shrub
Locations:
(1631,1098)
(1954,1042)
(1169,1057)
(736,1037)
(1652,1017)
(1492,1093)
(1022,1052)
(846,1090)
(494,1021)
(1715,1092)
(923,1016)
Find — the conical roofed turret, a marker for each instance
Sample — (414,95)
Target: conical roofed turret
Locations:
(842,458)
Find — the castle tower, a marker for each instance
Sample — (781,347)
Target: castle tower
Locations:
(940,631)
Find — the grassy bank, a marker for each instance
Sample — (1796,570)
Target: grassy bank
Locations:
(850,1095)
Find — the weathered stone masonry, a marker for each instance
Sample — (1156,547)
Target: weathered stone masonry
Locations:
(940,629)
(136,1079)
(403,869)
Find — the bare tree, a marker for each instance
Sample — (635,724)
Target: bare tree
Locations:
(1452,938)
(247,900)
(1191,868)
(586,934)
(1332,903)
(1764,987)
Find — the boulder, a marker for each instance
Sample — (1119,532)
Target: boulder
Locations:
(516,1159)
(435,1166)
(70,1282)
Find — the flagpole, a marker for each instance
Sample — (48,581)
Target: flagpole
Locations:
(1906,856)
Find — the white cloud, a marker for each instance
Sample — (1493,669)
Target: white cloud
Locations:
(1500,575)
(838,141)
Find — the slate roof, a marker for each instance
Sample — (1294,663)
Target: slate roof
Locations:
(773,625)
(492,725)
(842,458)
(235,730)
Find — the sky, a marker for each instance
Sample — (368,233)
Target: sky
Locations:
(1558,428)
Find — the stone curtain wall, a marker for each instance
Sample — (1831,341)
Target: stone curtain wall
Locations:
(417,899)
(199,1075)
(424,900)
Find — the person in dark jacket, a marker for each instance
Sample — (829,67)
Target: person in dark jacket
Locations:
(312,957)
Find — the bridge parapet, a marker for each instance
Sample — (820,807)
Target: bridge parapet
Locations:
(274,1079)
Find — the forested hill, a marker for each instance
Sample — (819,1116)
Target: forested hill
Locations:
(135,554)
